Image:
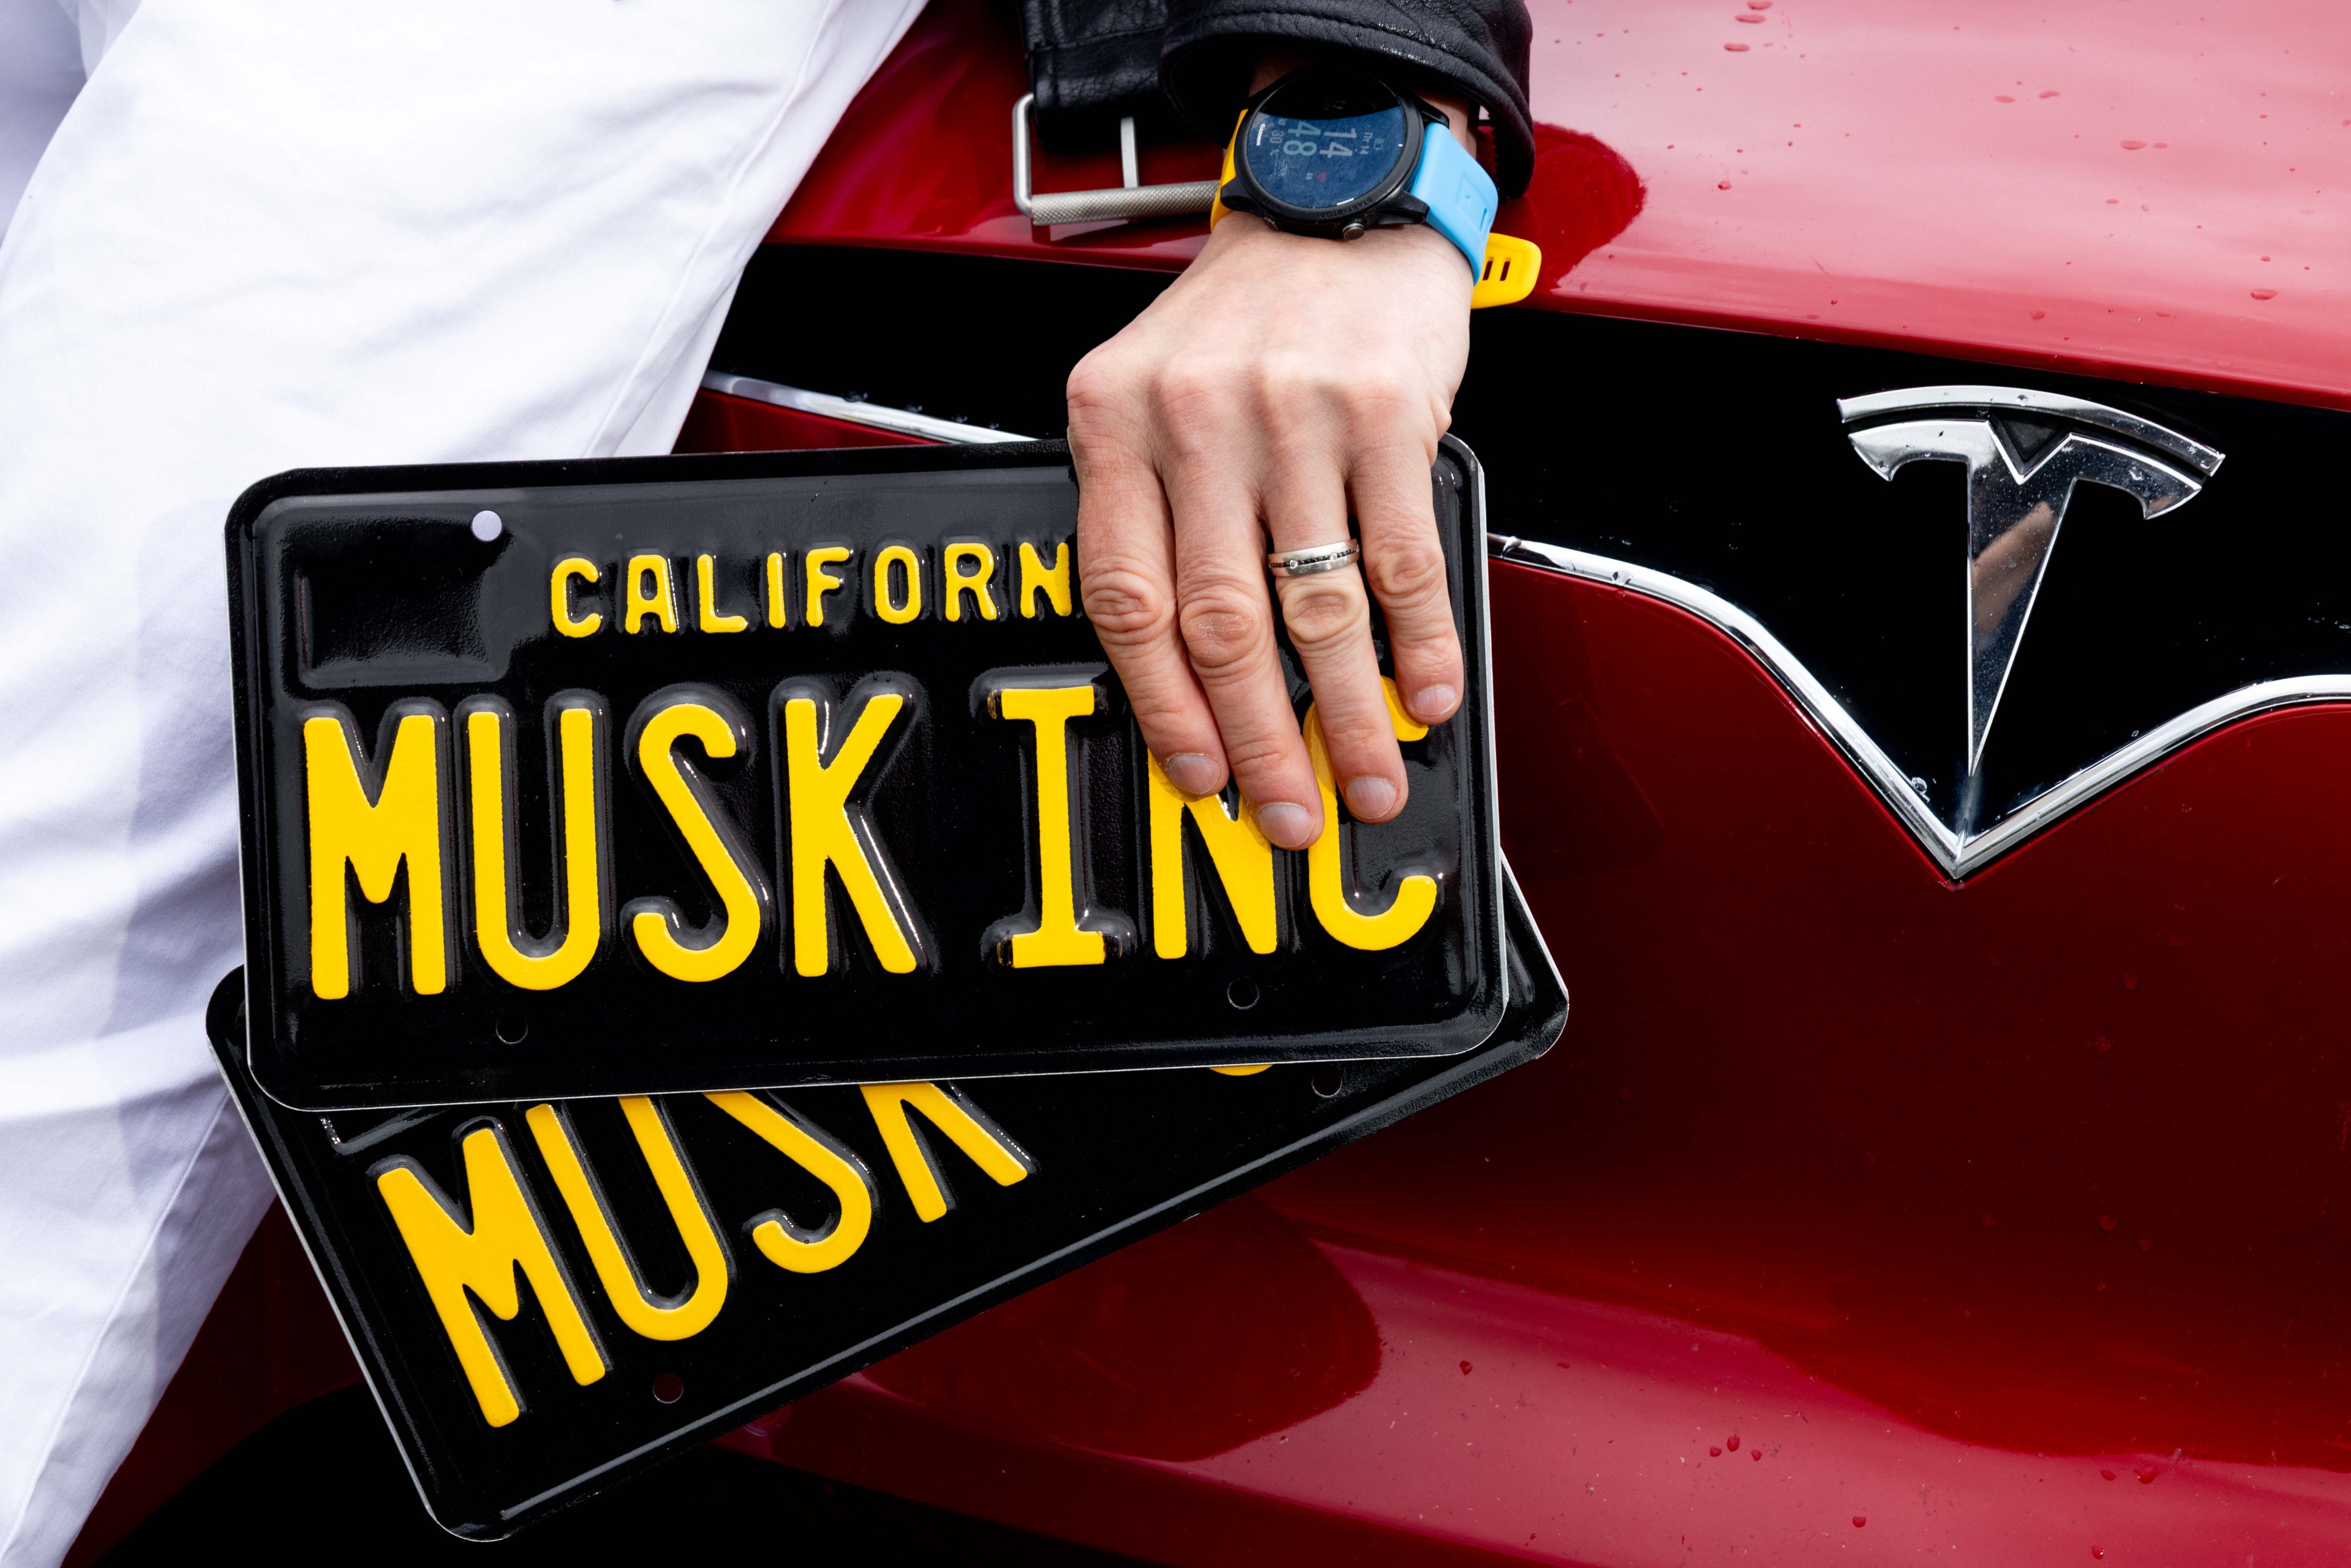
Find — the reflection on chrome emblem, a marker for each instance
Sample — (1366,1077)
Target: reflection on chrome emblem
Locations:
(2025,451)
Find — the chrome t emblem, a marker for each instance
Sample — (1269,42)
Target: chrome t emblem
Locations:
(2025,451)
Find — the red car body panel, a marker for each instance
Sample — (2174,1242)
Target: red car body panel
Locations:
(2146,189)
(717,423)
(1858,1210)
(1995,1216)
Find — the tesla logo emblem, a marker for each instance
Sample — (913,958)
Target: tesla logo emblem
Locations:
(2025,451)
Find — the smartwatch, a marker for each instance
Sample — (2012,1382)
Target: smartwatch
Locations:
(1333,153)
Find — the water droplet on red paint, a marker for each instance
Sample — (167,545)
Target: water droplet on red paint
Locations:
(2002,98)
(1736,49)
(2101,1044)
(2146,1474)
(2130,982)
(2108,1221)
(2040,314)
(2265,259)
(2133,146)
(1465,1369)
(1757,1453)
(1744,16)
(2051,93)
(2100,1552)
(1733,1444)
(1859,1520)
(2265,294)
(2108,1474)
(1989,1222)
(1714,1452)
(2146,1243)
(1766,5)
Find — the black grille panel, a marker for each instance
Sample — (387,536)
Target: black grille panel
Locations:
(1719,457)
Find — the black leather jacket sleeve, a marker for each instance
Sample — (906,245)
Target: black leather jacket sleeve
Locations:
(1091,61)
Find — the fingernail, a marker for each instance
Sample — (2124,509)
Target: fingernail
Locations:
(1434,703)
(1194,772)
(1371,798)
(1287,825)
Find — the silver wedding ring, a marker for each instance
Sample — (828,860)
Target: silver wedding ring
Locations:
(1307,562)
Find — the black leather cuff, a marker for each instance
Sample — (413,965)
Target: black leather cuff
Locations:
(1092,63)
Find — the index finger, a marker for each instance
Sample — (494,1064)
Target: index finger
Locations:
(1127,580)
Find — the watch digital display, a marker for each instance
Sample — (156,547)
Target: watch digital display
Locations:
(1325,140)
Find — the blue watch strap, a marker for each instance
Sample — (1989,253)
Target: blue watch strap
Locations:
(1460,196)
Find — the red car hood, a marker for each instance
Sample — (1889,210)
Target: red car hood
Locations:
(2153,189)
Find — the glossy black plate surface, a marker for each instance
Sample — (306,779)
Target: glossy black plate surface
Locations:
(779,1240)
(675,774)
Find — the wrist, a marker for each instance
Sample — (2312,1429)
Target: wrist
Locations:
(1415,253)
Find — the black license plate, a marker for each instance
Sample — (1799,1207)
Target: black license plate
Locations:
(545,1297)
(680,774)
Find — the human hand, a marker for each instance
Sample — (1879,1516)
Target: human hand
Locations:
(1281,384)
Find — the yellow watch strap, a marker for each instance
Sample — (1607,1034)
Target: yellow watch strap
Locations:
(1217,208)
(1508,274)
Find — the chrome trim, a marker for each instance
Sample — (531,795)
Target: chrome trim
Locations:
(1134,200)
(1909,399)
(904,421)
(1958,857)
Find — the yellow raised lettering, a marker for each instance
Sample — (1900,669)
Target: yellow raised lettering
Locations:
(659,601)
(454,1259)
(1416,895)
(578,926)
(779,603)
(375,837)
(1052,581)
(981,562)
(965,1127)
(558,597)
(798,1248)
(655,1317)
(827,829)
(665,720)
(1242,857)
(1057,939)
(707,615)
(897,612)
(821,582)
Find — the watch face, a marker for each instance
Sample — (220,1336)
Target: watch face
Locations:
(1326,140)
